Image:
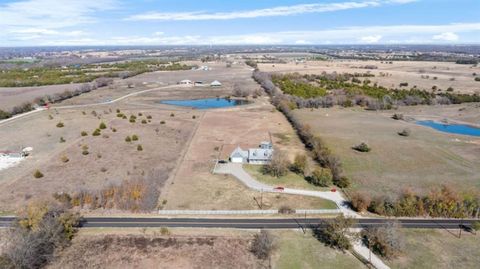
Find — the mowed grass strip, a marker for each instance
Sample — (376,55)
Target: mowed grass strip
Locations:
(290,180)
(438,249)
(303,251)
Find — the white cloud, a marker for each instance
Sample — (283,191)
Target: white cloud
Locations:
(446,36)
(302,42)
(44,16)
(266,12)
(370,39)
(407,34)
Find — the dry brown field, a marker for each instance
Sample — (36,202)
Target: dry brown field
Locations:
(155,251)
(13,96)
(396,73)
(219,132)
(179,152)
(196,248)
(425,159)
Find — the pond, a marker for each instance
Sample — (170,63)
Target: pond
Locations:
(206,103)
(451,128)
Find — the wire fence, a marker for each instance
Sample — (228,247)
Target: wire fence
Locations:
(246,212)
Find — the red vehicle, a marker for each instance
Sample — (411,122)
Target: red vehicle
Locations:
(333,190)
(279,188)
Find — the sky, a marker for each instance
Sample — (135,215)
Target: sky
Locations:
(228,22)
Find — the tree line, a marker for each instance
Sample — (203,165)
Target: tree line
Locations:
(322,154)
(39,76)
(327,90)
(439,202)
(55,98)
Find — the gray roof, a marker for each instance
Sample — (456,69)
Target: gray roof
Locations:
(239,153)
(260,154)
(216,83)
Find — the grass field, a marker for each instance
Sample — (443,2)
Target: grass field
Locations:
(424,159)
(290,180)
(438,249)
(295,250)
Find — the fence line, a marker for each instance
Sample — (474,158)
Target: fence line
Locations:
(246,212)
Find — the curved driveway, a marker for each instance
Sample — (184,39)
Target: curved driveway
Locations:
(236,170)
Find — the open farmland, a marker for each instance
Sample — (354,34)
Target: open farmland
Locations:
(424,159)
(219,132)
(73,163)
(424,75)
(185,248)
(168,157)
(150,249)
(109,159)
(14,96)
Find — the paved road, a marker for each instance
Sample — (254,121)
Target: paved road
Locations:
(257,223)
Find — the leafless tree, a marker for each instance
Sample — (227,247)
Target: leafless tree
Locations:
(239,91)
(262,244)
(386,240)
(279,164)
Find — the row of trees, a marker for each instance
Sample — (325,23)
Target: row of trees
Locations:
(136,195)
(57,97)
(321,152)
(439,202)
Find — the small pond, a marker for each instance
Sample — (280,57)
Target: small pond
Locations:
(206,103)
(451,128)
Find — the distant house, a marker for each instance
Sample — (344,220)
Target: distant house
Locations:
(216,83)
(186,82)
(261,155)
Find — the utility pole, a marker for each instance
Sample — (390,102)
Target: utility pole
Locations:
(261,199)
(461,228)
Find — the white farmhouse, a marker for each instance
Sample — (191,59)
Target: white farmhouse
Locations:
(261,155)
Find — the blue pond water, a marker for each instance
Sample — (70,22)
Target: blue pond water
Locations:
(451,128)
(206,103)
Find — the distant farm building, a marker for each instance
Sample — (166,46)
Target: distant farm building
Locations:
(186,82)
(216,83)
(261,155)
